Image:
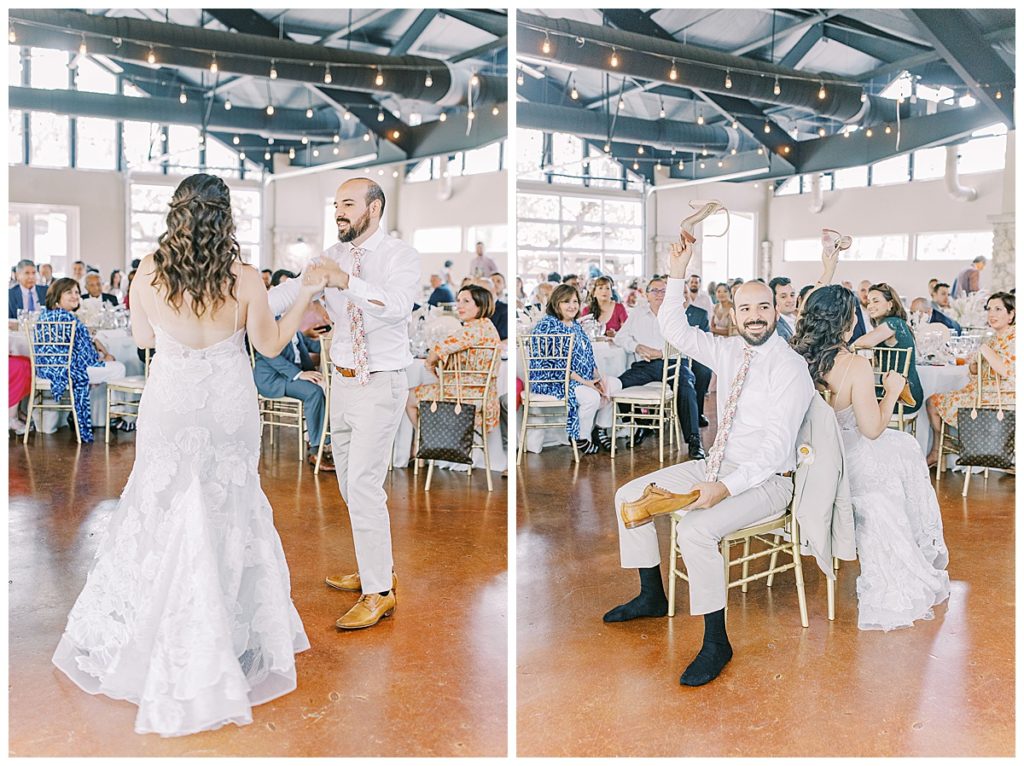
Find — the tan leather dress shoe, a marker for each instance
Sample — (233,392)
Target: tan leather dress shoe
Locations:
(353,583)
(655,501)
(368,611)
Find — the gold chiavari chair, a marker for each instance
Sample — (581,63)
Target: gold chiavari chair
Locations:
(774,545)
(884,359)
(651,406)
(281,412)
(468,376)
(56,340)
(545,358)
(131,386)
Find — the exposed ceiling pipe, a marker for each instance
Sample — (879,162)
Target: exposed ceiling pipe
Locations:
(133,39)
(817,203)
(660,134)
(952,177)
(573,42)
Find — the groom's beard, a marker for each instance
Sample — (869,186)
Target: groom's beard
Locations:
(756,331)
(354,230)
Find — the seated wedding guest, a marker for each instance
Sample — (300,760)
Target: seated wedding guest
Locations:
(128,289)
(440,292)
(695,297)
(267,276)
(764,391)
(25,294)
(641,335)
(897,522)
(1000,356)
(891,330)
(474,305)
(711,290)
(554,278)
(721,318)
(968,281)
(281,275)
(94,289)
(923,307)
(940,298)
(543,294)
(585,381)
(863,321)
(78,272)
(520,294)
(114,286)
(499,286)
(19,384)
(90,361)
(602,306)
(785,303)
(801,297)
(500,316)
(45,274)
(633,293)
(294,373)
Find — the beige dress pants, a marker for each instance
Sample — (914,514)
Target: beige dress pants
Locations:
(364,420)
(699,532)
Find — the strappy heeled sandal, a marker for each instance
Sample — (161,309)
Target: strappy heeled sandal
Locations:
(704,209)
(832,240)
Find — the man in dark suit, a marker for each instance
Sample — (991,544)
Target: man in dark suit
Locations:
(500,316)
(292,373)
(26,294)
(923,306)
(698,317)
(441,293)
(94,289)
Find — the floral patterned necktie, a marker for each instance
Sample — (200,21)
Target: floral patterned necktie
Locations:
(718,448)
(355,318)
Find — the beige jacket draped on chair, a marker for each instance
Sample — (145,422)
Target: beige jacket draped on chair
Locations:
(821,497)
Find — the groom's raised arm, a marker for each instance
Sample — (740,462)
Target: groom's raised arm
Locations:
(677,330)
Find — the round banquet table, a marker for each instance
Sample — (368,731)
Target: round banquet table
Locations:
(418,374)
(937,380)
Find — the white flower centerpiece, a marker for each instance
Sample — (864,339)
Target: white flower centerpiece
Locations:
(969,310)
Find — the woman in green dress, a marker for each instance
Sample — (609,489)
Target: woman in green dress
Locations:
(891,330)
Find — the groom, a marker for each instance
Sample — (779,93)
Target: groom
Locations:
(744,479)
(372,282)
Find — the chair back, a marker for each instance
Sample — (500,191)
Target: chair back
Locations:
(468,375)
(546,358)
(50,344)
(884,359)
(995,385)
(670,369)
(325,357)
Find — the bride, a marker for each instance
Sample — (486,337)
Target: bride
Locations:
(187,609)
(896,515)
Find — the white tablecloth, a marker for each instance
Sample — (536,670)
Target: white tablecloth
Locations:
(417,374)
(936,380)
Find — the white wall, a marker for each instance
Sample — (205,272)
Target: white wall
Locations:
(99,196)
(918,207)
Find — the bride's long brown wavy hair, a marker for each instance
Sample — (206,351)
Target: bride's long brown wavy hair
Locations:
(195,254)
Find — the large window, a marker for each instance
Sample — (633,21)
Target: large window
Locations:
(49,147)
(953,245)
(888,247)
(485,159)
(16,137)
(44,234)
(97,143)
(570,233)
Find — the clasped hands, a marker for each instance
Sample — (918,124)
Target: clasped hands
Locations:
(326,273)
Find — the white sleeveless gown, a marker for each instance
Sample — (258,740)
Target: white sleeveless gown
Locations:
(187,609)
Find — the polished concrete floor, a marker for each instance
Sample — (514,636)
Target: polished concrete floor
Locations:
(941,688)
(429,681)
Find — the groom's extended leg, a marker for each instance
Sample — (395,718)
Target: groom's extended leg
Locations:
(698,534)
(638,548)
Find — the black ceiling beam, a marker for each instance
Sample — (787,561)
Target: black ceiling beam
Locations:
(761,42)
(876,47)
(957,37)
(633,20)
(481,51)
(795,55)
(915,62)
(412,34)
(489,21)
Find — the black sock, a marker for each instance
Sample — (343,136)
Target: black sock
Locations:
(651,602)
(714,654)
(385,593)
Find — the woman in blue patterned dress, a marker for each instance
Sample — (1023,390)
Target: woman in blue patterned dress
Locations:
(90,362)
(586,388)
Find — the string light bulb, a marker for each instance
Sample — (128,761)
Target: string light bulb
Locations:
(305,140)
(337,138)
(703,151)
(700,117)
(213,65)
(12,38)
(821,132)
(546,47)
(607,148)
(309,113)
(767,127)
(270,110)
(428,82)
(380,115)
(778,88)
(442,117)
(182,98)
(379,79)
(241,155)
(846,132)
(150,57)
(821,91)
(266,155)
(639,150)
(394,135)
(673,73)
(999,94)
(785,150)
(471,115)
(494,111)
(327,74)
(291,153)
(574,94)
(728,80)
(702,166)
(732,151)
(83,49)
(336,150)
(721,164)
(273,70)
(474,80)
(681,164)
(869,132)
(622,104)
(227,105)
(735,124)
(366,136)
(888,130)
(270,140)
(520,79)
(760,151)
(661,112)
(316,152)
(636,165)
(614,60)
(236,140)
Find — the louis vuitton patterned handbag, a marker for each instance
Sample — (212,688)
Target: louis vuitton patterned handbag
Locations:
(986,433)
(446,431)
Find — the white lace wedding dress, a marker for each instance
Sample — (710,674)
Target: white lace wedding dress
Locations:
(187,610)
(898,525)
